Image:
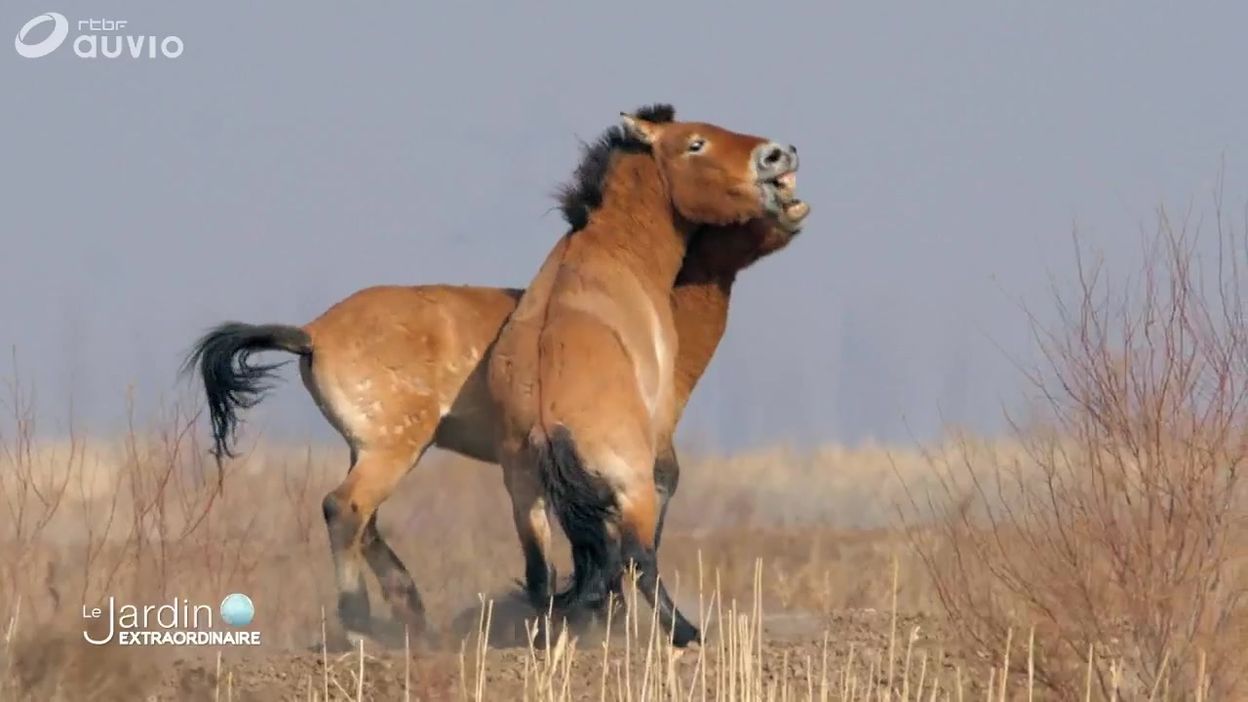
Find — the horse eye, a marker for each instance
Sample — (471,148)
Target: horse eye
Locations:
(696,145)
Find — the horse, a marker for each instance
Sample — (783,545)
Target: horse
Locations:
(396,369)
(583,371)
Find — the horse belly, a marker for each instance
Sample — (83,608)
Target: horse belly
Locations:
(471,426)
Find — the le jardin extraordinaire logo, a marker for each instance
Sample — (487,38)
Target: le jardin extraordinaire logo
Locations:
(179,623)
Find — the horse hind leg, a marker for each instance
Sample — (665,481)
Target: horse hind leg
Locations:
(611,524)
(397,585)
(343,525)
(528,505)
(601,556)
(349,511)
(638,518)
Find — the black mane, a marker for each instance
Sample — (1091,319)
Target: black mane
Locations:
(584,193)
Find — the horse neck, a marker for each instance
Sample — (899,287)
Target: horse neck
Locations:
(637,223)
(700,310)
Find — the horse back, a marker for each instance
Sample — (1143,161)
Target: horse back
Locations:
(389,362)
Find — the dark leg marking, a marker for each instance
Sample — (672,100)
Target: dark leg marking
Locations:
(666,478)
(539,575)
(397,585)
(644,559)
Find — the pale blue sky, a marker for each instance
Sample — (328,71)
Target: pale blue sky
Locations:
(291,156)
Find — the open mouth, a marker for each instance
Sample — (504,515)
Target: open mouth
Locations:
(788,209)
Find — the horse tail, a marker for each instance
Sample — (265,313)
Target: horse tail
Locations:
(231,381)
(583,502)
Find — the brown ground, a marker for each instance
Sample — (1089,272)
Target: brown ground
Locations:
(794,653)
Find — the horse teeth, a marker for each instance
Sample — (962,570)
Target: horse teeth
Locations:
(796,211)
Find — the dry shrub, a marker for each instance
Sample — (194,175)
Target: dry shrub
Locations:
(141,518)
(1118,530)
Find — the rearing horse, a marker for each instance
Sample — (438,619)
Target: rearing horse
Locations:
(396,369)
(583,370)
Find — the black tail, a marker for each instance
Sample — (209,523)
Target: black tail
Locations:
(583,503)
(231,382)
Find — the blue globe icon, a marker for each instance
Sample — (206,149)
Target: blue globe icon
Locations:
(237,610)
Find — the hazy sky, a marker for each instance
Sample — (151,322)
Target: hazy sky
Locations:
(290,157)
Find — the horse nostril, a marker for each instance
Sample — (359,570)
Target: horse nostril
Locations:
(773,159)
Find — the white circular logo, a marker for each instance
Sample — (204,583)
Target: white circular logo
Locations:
(60,30)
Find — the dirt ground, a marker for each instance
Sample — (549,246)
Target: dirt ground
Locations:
(794,653)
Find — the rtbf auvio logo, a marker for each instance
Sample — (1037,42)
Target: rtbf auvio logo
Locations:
(97,38)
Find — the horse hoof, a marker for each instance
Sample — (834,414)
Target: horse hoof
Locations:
(685,634)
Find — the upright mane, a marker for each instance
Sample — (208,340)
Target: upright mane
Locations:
(583,194)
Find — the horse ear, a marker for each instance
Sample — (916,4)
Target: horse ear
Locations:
(642,130)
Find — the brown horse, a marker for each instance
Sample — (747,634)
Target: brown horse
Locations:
(396,369)
(584,370)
